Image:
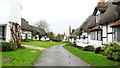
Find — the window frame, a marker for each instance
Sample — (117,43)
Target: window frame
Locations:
(116,33)
(3,29)
(95,35)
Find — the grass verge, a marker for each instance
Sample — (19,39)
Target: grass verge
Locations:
(96,60)
(44,44)
(21,57)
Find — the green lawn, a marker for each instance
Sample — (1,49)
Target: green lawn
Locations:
(92,58)
(22,57)
(44,44)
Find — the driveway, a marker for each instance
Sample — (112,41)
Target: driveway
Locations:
(58,56)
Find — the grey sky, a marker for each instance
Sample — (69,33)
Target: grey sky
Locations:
(60,14)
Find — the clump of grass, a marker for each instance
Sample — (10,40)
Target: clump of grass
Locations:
(96,60)
(21,57)
(44,44)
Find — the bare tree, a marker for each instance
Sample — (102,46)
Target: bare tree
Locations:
(43,24)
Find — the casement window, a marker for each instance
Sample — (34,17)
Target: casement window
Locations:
(116,34)
(2,32)
(96,35)
(100,35)
(92,35)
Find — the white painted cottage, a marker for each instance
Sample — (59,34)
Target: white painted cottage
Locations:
(10,11)
(31,32)
(103,26)
(26,29)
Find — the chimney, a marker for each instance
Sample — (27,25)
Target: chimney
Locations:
(70,30)
(102,2)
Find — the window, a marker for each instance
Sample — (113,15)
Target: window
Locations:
(96,35)
(99,35)
(2,32)
(35,37)
(26,36)
(116,34)
(92,35)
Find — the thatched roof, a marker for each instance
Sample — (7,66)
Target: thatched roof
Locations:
(110,15)
(41,31)
(25,25)
(38,31)
(33,29)
(77,32)
(89,22)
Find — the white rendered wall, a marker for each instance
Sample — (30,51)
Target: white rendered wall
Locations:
(37,37)
(109,31)
(104,34)
(29,34)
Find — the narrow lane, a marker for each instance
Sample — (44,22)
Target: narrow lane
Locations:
(58,56)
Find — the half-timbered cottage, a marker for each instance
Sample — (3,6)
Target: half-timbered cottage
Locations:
(102,26)
(31,32)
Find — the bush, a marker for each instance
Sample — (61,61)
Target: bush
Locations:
(98,50)
(70,44)
(8,46)
(26,40)
(22,47)
(103,50)
(111,44)
(88,48)
(113,53)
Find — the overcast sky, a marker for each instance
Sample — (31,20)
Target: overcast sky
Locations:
(60,14)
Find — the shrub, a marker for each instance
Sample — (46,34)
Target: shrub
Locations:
(89,48)
(22,47)
(113,53)
(103,52)
(98,50)
(70,44)
(8,46)
(111,44)
(26,40)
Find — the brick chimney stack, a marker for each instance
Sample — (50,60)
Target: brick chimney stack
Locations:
(70,30)
(102,2)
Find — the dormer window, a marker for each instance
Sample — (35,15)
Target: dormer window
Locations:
(98,17)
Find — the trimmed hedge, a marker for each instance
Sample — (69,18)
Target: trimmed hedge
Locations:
(8,46)
(26,40)
(88,48)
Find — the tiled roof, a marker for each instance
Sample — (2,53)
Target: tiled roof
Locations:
(116,24)
(95,28)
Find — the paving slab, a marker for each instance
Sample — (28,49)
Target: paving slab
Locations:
(33,47)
